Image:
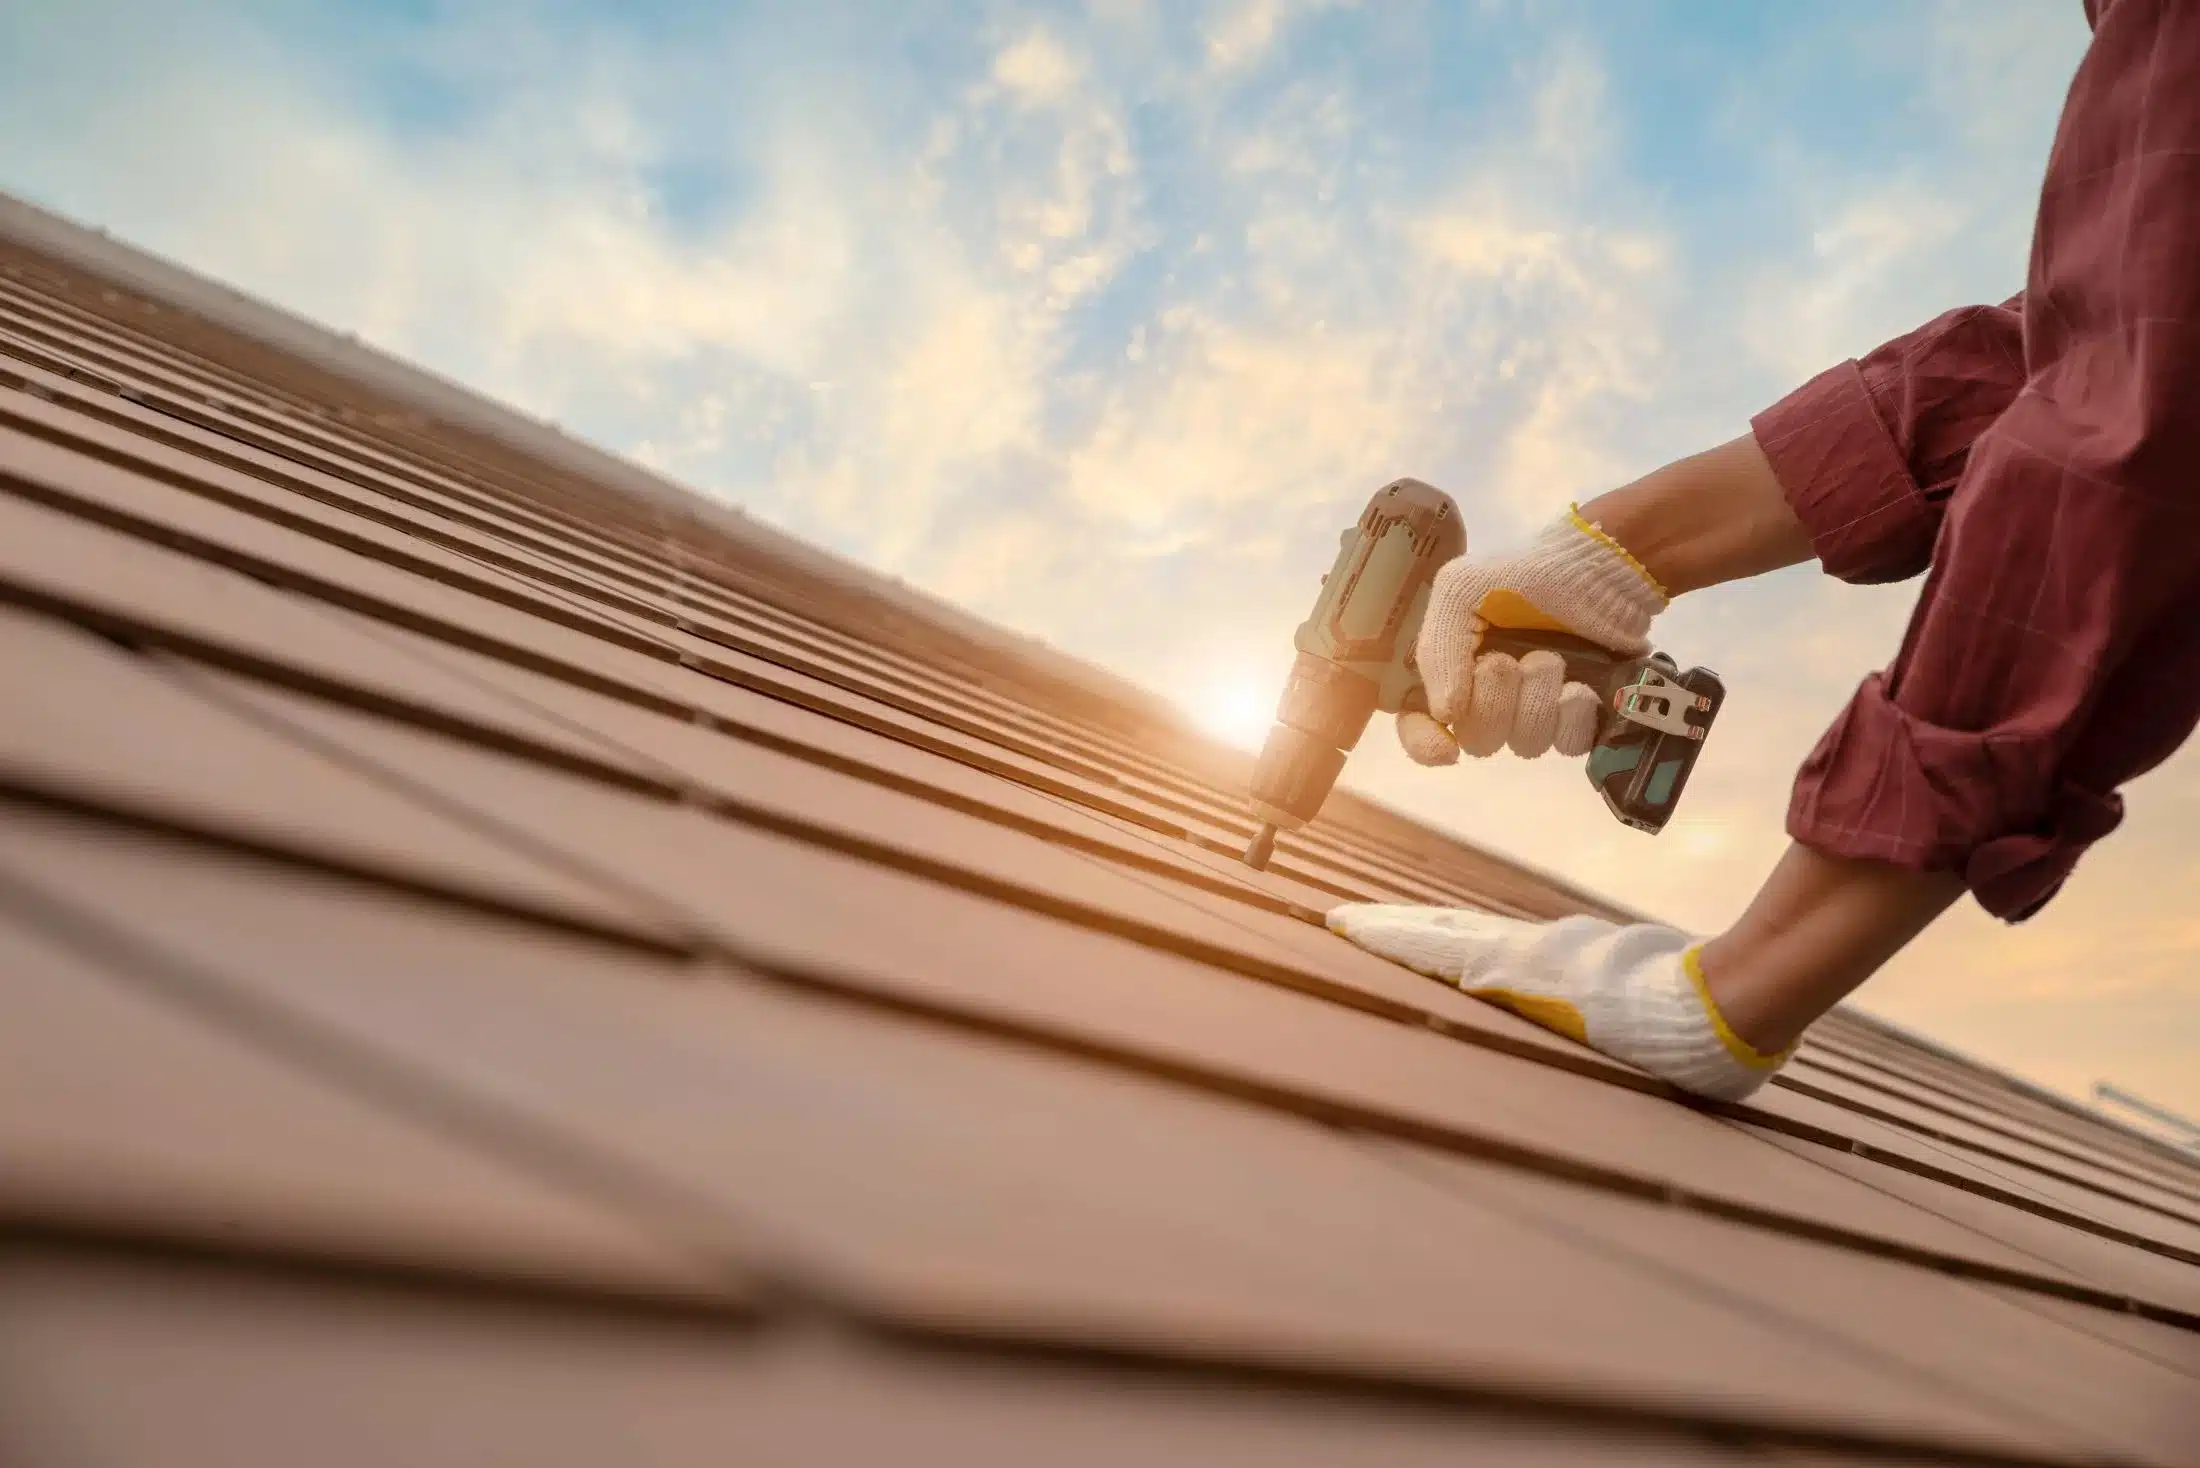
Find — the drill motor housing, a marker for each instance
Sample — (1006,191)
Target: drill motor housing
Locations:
(1355,658)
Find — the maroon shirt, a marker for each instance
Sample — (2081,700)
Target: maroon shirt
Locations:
(2042,457)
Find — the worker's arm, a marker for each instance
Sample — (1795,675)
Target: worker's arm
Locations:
(1716,516)
(2055,652)
(2053,649)
(1853,468)
(1866,454)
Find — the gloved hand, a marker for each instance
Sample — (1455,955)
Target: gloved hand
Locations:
(1636,991)
(1573,578)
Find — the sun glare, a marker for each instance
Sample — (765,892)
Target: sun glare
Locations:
(1237,711)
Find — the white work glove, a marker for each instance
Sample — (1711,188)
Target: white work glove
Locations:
(1634,991)
(1572,577)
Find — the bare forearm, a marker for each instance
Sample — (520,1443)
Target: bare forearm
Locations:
(1820,926)
(1715,516)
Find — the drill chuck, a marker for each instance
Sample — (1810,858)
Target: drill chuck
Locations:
(1324,710)
(1298,765)
(1293,776)
(1326,701)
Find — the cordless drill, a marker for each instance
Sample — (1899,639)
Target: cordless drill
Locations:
(1355,656)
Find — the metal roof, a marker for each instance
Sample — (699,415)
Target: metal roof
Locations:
(504,962)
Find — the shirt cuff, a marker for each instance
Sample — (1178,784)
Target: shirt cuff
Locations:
(1883,785)
(1845,479)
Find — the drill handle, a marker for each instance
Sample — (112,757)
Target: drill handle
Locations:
(1586,662)
(1590,663)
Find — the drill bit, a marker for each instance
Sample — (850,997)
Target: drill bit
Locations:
(1263,846)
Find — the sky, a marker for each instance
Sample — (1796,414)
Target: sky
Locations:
(1101,318)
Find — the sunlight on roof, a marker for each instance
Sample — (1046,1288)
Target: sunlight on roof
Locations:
(1237,710)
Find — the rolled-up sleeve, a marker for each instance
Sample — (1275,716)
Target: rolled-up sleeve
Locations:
(1869,451)
(2067,564)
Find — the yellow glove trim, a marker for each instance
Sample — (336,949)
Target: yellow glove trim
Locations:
(1515,613)
(1596,532)
(1742,1051)
(1552,1014)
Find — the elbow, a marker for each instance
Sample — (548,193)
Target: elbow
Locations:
(2121,414)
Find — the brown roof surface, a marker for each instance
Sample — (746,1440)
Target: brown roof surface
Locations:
(505,962)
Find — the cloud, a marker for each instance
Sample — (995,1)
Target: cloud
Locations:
(895,326)
(1035,69)
(1936,215)
(1240,33)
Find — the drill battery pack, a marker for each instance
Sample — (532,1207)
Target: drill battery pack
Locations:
(1655,730)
